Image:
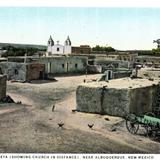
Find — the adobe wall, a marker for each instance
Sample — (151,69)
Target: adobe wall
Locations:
(81,50)
(94,69)
(13,70)
(64,64)
(118,97)
(121,74)
(35,71)
(3,79)
(149,73)
(106,63)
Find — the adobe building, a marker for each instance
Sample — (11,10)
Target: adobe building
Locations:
(22,71)
(3,79)
(118,97)
(127,56)
(118,55)
(110,64)
(115,74)
(82,49)
(64,64)
(153,73)
(150,61)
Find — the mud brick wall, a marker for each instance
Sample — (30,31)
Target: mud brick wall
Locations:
(64,64)
(14,70)
(3,79)
(117,101)
(149,73)
(35,71)
(104,101)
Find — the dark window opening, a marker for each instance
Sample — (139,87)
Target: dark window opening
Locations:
(1,71)
(16,72)
(76,65)
(62,65)
(57,49)
(41,75)
(109,75)
(81,51)
(91,62)
(144,61)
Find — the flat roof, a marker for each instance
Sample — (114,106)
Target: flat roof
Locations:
(123,83)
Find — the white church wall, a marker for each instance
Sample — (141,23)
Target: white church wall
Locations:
(67,49)
(49,49)
(57,49)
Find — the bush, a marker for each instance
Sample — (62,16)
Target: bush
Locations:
(103,48)
(13,51)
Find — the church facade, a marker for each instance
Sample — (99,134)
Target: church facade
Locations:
(57,48)
(67,48)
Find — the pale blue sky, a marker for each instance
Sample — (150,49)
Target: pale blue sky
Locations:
(122,28)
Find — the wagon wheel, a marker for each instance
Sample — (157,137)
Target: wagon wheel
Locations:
(131,124)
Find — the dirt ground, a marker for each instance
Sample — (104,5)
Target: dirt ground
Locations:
(32,127)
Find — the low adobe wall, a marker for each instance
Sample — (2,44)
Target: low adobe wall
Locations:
(3,79)
(118,97)
(35,71)
(149,73)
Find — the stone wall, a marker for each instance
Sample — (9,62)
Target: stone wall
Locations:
(119,97)
(3,79)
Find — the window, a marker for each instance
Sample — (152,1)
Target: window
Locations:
(57,49)
(62,65)
(81,51)
(16,72)
(1,71)
(90,62)
(76,65)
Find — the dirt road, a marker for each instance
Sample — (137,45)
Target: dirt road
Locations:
(32,127)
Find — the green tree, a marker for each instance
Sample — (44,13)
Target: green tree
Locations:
(103,48)
(156,51)
(13,51)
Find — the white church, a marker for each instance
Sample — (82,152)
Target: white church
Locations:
(53,48)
